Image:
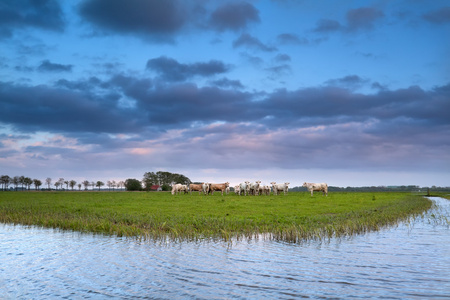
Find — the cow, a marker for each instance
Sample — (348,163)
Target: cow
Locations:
(244,188)
(254,187)
(178,188)
(237,190)
(205,188)
(196,188)
(278,187)
(264,189)
(218,187)
(316,187)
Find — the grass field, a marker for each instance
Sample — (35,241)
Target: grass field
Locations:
(159,215)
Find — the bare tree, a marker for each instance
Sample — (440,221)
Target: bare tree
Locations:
(61,182)
(48,181)
(86,184)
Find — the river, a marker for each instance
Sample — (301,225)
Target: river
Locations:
(409,261)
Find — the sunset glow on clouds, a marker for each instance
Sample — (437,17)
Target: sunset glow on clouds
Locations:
(349,93)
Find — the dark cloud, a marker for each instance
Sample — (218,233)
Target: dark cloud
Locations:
(246,40)
(156,19)
(44,108)
(282,58)
(291,39)
(363,18)
(47,66)
(279,70)
(350,81)
(84,109)
(440,16)
(234,16)
(227,83)
(172,70)
(327,25)
(19,14)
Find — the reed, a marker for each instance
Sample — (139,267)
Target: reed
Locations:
(294,218)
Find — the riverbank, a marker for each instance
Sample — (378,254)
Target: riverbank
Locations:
(156,216)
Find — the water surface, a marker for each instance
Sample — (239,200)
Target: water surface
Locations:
(405,262)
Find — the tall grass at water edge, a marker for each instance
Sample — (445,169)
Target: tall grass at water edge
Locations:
(294,217)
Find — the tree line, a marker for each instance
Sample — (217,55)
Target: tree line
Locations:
(162,179)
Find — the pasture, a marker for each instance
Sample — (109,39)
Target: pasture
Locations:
(294,217)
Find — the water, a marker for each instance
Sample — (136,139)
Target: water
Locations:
(406,262)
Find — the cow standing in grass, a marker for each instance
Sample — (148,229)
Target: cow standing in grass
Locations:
(178,188)
(316,187)
(218,187)
(196,188)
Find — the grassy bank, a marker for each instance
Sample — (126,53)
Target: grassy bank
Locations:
(294,217)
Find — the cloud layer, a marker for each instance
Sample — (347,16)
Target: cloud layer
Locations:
(207,85)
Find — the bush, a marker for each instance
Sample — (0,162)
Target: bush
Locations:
(133,185)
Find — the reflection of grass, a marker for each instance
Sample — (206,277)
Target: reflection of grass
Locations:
(294,217)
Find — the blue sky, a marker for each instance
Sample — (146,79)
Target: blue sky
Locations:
(352,93)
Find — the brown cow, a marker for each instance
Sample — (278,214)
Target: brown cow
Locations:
(218,187)
(196,187)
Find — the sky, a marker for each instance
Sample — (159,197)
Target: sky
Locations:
(352,93)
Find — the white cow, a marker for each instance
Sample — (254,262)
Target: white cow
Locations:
(264,189)
(254,187)
(178,188)
(237,189)
(205,188)
(244,187)
(316,187)
(278,187)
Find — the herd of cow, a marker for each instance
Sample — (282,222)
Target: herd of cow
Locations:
(245,188)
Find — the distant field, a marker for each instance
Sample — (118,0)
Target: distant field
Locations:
(159,215)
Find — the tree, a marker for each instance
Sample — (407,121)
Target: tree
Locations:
(86,184)
(121,184)
(16,181)
(5,180)
(163,179)
(37,183)
(61,182)
(28,182)
(48,181)
(99,184)
(79,186)
(72,183)
(133,185)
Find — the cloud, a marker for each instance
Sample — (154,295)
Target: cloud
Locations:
(47,66)
(291,39)
(45,108)
(360,19)
(172,70)
(160,20)
(350,81)
(20,14)
(227,83)
(439,16)
(246,40)
(327,25)
(323,127)
(234,16)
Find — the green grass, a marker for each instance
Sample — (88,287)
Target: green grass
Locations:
(158,216)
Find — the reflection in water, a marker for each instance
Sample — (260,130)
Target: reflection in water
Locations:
(409,261)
